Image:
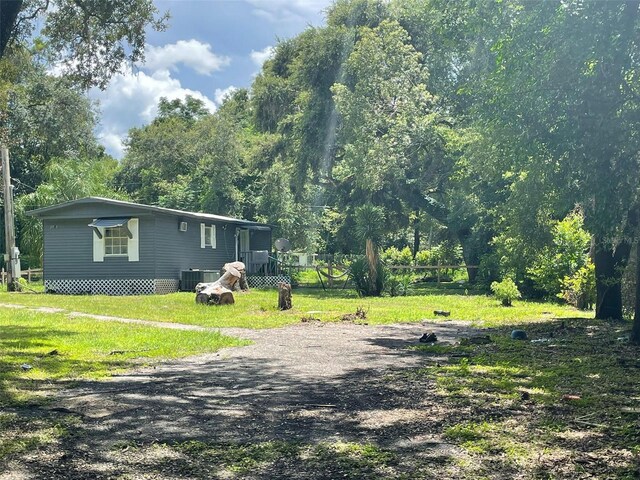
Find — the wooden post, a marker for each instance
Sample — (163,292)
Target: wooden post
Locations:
(330,270)
(438,272)
(284,296)
(29,275)
(13,273)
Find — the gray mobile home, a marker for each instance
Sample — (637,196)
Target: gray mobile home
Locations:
(99,245)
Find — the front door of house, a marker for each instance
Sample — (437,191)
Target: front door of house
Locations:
(244,242)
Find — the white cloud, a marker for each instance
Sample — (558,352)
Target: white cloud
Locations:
(260,56)
(221,93)
(192,53)
(289,10)
(131,100)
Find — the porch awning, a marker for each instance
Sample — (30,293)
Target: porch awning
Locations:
(99,223)
(109,222)
(258,227)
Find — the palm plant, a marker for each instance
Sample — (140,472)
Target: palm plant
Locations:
(369,226)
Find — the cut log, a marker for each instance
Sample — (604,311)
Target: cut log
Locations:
(284,296)
(219,292)
(215,295)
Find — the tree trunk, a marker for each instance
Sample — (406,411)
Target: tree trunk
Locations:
(220,292)
(215,294)
(635,331)
(372,259)
(241,284)
(470,251)
(610,263)
(9,10)
(284,296)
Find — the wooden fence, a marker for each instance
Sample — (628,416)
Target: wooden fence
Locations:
(29,274)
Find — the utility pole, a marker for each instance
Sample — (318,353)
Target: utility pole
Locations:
(12,255)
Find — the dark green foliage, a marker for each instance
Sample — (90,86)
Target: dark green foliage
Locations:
(360,275)
(91,40)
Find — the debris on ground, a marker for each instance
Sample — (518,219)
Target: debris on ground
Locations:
(476,340)
(310,319)
(26,367)
(441,313)
(571,398)
(541,340)
(428,338)
(53,352)
(518,335)
(360,314)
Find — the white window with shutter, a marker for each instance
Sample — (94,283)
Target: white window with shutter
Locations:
(115,237)
(207,236)
(98,244)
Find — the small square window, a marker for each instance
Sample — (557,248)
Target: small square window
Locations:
(116,241)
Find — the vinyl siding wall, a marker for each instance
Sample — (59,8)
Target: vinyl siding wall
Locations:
(68,251)
(178,250)
(163,249)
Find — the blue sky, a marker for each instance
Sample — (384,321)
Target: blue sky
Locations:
(210,47)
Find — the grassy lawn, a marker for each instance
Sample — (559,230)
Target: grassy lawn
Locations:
(57,350)
(563,406)
(60,348)
(257,308)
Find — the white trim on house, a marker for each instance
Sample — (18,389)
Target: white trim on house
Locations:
(212,236)
(134,241)
(98,244)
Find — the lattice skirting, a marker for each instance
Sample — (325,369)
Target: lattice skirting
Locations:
(167,285)
(259,281)
(124,286)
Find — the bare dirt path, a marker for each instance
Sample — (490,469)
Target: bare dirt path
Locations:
(307,383)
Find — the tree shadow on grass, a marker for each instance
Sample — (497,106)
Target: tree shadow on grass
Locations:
(459,413)
(30,361)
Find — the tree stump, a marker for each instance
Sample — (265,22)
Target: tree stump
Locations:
(220,292)
(241,284)
(284,296)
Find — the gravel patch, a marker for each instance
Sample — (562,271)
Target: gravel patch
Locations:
(309,383)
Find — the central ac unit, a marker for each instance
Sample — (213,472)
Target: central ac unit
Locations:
(183,226)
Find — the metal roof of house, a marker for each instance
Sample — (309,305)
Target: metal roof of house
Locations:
(45,211)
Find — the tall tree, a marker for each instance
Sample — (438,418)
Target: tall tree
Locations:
(563,92)
(91,39)
(391,141)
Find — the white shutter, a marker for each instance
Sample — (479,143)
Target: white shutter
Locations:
(133,243)
(98,245)
(213,236)
(202,243)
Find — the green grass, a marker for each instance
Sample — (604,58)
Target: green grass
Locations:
(60,350)
(509,405)
(258,308)
(83,348)
(278,459)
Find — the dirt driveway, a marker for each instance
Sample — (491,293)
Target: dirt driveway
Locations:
(310,383)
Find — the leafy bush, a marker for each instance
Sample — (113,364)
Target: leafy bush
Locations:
(393,256)
(579,289)
(360,276)
(505,291)
(564,257)
(446,253)
(424,257)
(398,285)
